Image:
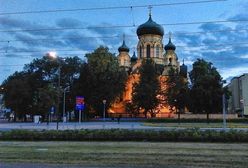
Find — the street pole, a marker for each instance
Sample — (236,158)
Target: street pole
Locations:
(65,89)
(79,117)
(57,125)
(64,106)
(224,111)
(104,111)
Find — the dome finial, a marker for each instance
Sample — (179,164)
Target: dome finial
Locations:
(123,47)
(170,36)
(124,38)
(150,11)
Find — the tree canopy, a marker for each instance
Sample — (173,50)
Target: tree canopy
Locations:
(206,88)
(100,79)
(145,92)
(177,91)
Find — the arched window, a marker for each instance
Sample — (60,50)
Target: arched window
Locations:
(140,51)
(157,51)
(148,51)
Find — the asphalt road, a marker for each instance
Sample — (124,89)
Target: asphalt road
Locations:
(91,125)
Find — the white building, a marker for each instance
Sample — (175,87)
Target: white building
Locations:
(239,99)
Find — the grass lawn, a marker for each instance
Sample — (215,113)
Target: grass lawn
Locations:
(198,125)
(128,154)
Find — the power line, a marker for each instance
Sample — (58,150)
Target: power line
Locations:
(129,36)
(110,7)
(122,26)
(86,50)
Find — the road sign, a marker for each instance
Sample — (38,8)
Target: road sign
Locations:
(79,102)
(52,110)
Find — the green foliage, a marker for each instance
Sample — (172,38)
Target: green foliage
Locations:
(100,79)
(145,92)
(17,94)
(177,90)
(47,97)
(132,109)
(31,91)
(207,88)
(195,120)
(186,135)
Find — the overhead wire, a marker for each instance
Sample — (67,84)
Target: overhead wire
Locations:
(122,26)
(119,36)
(110,7)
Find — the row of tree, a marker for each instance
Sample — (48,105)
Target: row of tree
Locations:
(203,94)
(35,89)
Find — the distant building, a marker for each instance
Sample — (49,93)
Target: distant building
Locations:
(239,99)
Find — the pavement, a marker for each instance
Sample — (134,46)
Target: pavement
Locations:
(6,126)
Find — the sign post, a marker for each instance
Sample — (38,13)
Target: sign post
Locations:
(80,106)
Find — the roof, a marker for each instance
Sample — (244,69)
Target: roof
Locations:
(150,27)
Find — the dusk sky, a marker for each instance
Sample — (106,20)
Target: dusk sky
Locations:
(222,43)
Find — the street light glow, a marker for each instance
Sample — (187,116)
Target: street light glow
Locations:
(52,54)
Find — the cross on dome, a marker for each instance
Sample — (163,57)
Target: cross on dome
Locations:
(150,10)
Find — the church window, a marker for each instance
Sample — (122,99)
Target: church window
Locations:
(148,52)
(157,51)
(140,52)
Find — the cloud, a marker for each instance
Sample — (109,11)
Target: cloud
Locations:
(226,49)
(234,71)
(69,22)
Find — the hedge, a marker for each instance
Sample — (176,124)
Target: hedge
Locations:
(186,135)
(192,120)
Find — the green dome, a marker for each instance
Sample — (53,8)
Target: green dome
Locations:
(170,46)
(150,27)
(123,47)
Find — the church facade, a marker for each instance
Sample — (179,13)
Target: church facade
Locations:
(150,45)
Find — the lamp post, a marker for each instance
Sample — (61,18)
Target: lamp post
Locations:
(224,110)
(66,89)
(104,103)
(53,55)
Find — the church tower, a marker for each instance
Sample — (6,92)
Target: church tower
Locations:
(170,56)
(123,57)
(150,43)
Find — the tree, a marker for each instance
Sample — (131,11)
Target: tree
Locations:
(47,98)
(100,79)
(17,94)
(145,92)
(177,91)
(132,109)
(23,90)
(207,88)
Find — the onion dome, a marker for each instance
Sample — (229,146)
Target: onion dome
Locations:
(123,47)
(170,45)
(150,27)
(133,58)
(183,70)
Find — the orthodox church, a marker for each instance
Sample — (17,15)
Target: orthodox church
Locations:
(150,45)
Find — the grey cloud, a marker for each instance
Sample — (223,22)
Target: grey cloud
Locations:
(69,22)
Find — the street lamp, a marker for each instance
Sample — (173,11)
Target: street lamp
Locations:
(53,55)
(66,89)
(104,103)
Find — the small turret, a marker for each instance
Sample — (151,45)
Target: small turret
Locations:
(183,70)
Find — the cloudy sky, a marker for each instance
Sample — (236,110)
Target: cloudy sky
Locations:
(200,30)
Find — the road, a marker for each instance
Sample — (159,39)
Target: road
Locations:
(92,125)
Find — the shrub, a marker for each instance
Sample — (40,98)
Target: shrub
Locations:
(185,135)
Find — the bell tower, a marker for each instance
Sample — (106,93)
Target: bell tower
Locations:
(123,57)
